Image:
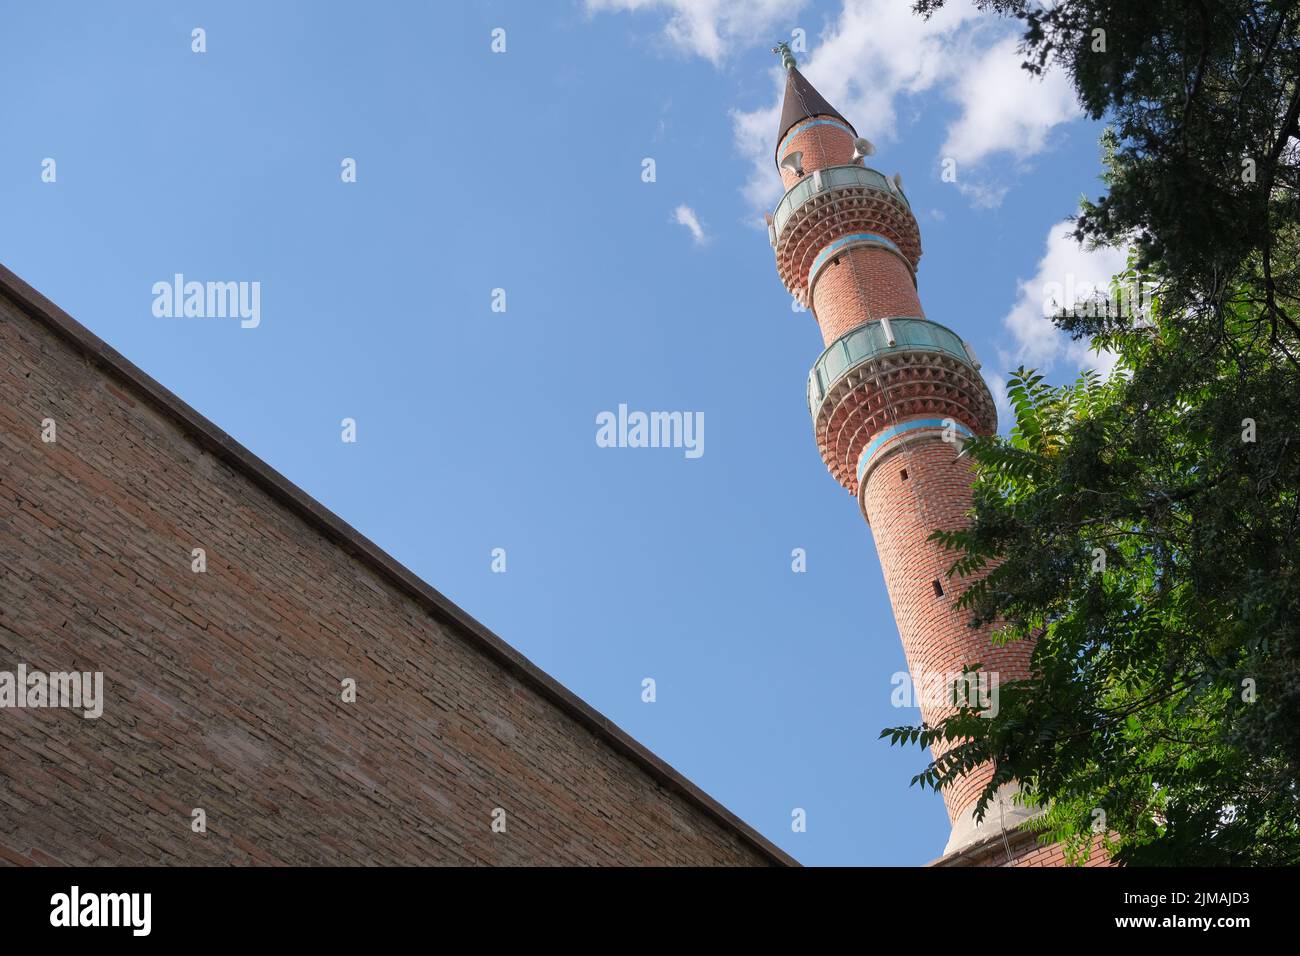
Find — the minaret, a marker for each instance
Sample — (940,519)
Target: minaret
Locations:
(892,398)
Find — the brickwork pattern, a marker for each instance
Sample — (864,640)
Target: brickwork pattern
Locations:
(937,638)
(833,213)
(860,285)
(888,391)
(1025,851)
(1054,855)
(223,688)
(821,146)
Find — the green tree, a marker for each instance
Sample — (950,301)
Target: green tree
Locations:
(1142,527)
(1202,167)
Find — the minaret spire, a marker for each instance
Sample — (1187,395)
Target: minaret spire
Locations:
(802,104)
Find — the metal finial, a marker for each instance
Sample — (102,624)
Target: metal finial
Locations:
(787,58)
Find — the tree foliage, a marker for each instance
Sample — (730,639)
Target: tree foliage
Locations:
(1142,527)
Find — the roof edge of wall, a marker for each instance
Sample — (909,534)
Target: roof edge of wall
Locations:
(357,545)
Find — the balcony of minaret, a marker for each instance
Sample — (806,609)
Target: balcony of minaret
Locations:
(836,208)
(880,377)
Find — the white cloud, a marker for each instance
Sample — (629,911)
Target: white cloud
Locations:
(755,134)
(877,51)
(1004,109)
(1068,274)
(982,193)
(874,53)
(998,387)
(684,215)
(711,28)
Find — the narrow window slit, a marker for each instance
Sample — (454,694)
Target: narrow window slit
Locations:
(938,588)
(904,474)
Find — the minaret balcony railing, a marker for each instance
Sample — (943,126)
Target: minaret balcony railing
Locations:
(828,178)
(834,202)
(873,339)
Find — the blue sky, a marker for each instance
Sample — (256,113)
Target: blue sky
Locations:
(476,429)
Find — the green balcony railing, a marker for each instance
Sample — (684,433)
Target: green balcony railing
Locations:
(832,177)
(868,341)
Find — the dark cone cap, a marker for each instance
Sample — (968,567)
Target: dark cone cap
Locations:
(802,101)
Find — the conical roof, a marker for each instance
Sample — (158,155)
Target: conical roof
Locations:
(802,101)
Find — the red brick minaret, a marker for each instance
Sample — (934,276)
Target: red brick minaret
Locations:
(892,398)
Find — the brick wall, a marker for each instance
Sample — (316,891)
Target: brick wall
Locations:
(223,688)
(1020,848)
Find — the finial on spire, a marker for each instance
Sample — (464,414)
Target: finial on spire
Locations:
(787,58)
